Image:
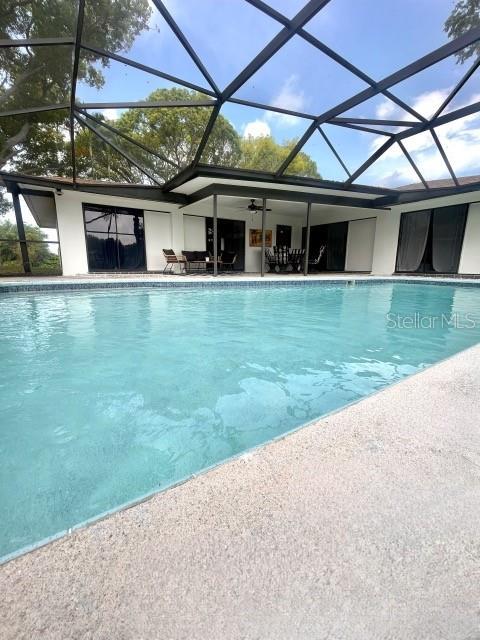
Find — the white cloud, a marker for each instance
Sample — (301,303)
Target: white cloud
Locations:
(385,110)
(110,114)
(256,129)
(290,97)
(460,140)
(427,103)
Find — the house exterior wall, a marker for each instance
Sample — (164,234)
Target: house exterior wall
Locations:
(71,235)
(360,242)
(385,243)
(388,227)
(371,243)
(158,236)
(194,233)
(163,228)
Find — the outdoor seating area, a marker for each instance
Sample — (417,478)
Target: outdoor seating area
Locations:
(171,259)
(197,262)
(284,259)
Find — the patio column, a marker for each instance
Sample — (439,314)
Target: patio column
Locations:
(13,188)
(215,235)
(307,240)
(264,218)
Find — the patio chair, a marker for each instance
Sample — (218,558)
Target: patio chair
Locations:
(316,261)
(296,259)
(171,259)
(271,261)
(228,260)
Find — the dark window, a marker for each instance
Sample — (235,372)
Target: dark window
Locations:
(284,236)
(115,239)
(230,239)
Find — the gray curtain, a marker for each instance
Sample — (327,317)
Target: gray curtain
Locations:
(413,239)
(447,237)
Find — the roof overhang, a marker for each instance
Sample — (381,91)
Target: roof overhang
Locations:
(203,182)
(138,192)
(179,182)
(42,207)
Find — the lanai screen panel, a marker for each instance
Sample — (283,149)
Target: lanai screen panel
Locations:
(378,93)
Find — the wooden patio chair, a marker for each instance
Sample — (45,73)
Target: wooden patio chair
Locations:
(228,260)
(171,259)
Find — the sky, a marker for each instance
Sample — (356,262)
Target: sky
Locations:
(378,36)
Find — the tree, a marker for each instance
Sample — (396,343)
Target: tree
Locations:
(38,76)
(41,259)
(175,133)
(39,143)
(465,16)
(172,133)
(266,154)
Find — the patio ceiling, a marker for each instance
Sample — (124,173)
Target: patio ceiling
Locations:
(346,102)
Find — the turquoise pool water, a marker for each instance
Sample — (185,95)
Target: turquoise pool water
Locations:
(107,396)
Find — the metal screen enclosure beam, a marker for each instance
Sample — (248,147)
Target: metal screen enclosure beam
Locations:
(215,234)
(307,240)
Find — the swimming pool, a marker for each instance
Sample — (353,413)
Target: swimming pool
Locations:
(108,396)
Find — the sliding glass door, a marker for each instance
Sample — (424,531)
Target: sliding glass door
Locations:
(431,241)
(333,238)
(115,238)
(230,240)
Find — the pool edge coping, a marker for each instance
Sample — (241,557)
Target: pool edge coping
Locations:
(105,284)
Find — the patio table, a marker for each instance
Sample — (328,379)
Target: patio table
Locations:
(197,264)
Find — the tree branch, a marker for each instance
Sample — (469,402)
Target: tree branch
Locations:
(7,152)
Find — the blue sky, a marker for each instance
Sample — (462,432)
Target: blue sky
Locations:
(379,36)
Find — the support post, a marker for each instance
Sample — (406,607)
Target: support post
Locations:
(264,218)
(215,235)
(20,228)
(307,240)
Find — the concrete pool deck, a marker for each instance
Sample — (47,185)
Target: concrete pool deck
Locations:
(365,524)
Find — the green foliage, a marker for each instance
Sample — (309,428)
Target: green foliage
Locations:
(172,133)
(39,143)
(42,260)
(5,204)
(37,76)
(266,154)
(465,16)
(175,134)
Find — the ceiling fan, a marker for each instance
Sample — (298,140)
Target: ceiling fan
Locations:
(255,207)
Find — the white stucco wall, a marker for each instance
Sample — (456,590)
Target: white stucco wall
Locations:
(194,233)
(470,257)
(71,234)
(360,241)
(386,242)
(158,236)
